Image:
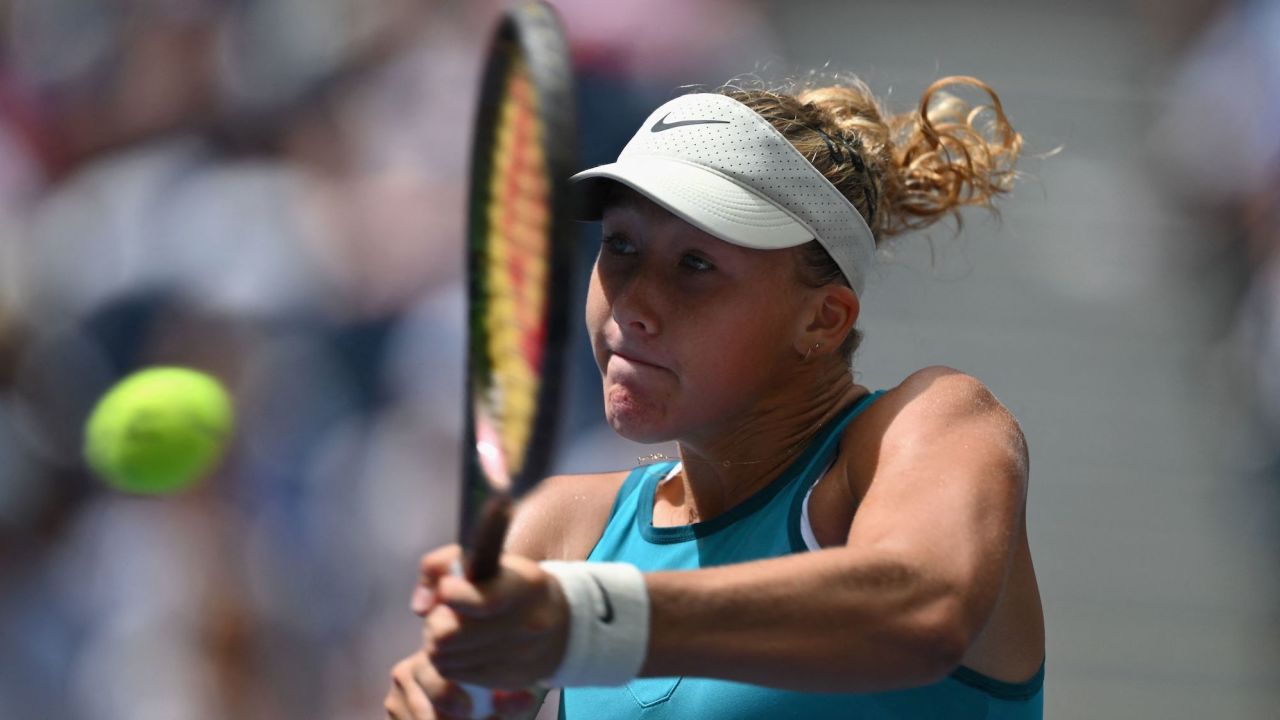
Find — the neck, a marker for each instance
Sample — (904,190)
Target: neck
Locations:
(726,467)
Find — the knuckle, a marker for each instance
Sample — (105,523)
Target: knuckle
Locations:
(445,553)
(442,623)
(425,564)
(446,589)
(539,623)
(538,577)
(489,604)
(541,584)
(438,560)
(436,655)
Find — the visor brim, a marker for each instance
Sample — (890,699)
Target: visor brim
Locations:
(705,198)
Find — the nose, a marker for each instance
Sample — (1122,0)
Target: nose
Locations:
(634,301)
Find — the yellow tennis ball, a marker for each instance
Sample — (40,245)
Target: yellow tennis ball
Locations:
(158,430)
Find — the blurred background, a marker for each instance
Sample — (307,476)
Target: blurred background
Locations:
(272,191)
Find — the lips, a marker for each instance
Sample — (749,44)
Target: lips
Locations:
(637,358)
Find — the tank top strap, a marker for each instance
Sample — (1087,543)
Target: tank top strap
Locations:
(637,479)
(798,528)
(830,437)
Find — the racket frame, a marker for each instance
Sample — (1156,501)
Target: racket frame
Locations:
(530,31)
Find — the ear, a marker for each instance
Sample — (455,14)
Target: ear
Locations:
(830,317)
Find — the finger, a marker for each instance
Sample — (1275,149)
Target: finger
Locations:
(466,668)
(415,699)
(452,701)
(400,703)
(440,628)
(446,699)
(497,667)
(449,636)
(446,630)
(518,580)
(431,568)
(422,600)
(439,562)
(467,599)
(500,655)
(395,707)
(483,673)
(406,700)
(445,642)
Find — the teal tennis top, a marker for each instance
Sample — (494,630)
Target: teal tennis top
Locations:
(771,523)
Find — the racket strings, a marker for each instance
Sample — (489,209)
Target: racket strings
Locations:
(516,265)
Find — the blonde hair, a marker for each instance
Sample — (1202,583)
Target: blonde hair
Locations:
(902,172)
(916,167)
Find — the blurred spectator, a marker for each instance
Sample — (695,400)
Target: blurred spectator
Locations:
(262,189)
(1220,139)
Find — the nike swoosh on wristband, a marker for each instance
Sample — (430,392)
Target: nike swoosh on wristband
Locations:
(607,616)
(662,123)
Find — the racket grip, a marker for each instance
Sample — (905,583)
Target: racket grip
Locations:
(491,534)
(481,697)
(482,565)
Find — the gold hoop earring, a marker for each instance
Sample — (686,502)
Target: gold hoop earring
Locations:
(810,350)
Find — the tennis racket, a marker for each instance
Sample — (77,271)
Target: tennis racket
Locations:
(519,265)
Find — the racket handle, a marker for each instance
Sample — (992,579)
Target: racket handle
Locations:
(490,536)
(481,697)
(483,564)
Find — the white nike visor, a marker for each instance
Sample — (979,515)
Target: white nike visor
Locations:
(718,165)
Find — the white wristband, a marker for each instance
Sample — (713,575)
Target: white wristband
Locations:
(608,623)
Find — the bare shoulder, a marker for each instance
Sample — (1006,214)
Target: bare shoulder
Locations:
(931,405)
(564,516)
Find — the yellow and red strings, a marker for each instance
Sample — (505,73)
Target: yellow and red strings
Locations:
(516,277)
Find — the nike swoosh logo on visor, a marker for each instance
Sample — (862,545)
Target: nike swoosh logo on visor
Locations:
(662,123)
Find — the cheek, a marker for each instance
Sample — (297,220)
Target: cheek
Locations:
(728,359)
(595,315)
(748,337)
(746,357)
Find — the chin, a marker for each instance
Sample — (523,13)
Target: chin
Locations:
(634,421)
(644,436)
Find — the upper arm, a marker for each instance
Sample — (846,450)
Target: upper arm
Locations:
(948,469)
(563,517)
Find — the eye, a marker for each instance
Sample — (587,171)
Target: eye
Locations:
(696,263)
(617,245)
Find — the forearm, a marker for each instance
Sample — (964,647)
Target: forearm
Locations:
(836,620)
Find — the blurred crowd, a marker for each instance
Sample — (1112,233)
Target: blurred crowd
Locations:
(1217,141)
(271,191)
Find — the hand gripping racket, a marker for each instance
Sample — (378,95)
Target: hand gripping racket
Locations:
(519,266)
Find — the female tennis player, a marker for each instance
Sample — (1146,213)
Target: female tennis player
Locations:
(817,550)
